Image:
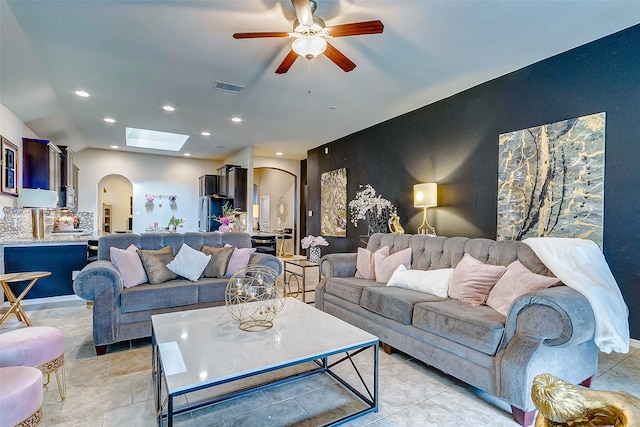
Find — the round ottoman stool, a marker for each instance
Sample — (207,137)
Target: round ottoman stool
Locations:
(37,346)
(20,396)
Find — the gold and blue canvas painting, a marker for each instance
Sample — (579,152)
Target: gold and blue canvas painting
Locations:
(551,180)
(333,206)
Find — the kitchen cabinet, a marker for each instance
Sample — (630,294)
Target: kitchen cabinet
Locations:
(41,165)
(69,179)
(223,179)
(208,185)
(237,187)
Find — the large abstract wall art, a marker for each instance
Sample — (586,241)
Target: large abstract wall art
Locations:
(333,206)
(551,180)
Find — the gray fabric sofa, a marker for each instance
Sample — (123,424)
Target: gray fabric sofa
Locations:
(121,313)
(550,330)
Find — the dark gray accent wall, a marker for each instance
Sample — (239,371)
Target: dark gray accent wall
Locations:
(454,142)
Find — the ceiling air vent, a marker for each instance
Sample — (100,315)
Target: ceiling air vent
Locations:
(227,87)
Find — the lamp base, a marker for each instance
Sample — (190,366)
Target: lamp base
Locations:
(425,228)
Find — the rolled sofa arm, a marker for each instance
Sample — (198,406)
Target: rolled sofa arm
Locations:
(98,279)
(560,316)
(267,260)
(338,265)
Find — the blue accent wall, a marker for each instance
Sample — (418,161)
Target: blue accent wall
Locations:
(454,142)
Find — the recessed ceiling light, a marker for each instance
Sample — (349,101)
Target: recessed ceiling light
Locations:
(115,147)
(82,93)
(168,108)
(332,107)
(145,138)
(109,120)
(219,146)
(236,119)
(205,133)
(187,154)
(279,153)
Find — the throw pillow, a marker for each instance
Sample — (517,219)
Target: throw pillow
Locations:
(129,265)
(189,263)
(516,281)
(386,265)
(219,262)
(239,259)
(365,262)
(472,280)
(434,282)
(155,264)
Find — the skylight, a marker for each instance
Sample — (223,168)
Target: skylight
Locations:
(156,140)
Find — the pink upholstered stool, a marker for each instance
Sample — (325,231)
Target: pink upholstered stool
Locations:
(38,346)
(20,396)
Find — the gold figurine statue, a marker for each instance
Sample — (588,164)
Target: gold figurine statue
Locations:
(563,404)
(394,223)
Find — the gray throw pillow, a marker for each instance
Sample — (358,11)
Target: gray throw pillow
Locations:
(219,261)
(155,264)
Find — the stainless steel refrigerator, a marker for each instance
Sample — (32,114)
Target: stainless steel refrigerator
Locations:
(208,207)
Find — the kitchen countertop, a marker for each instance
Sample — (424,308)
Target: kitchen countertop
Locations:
(50,239)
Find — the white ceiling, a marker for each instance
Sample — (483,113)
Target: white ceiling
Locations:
(135,56)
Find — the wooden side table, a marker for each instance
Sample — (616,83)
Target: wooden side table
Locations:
(15,306)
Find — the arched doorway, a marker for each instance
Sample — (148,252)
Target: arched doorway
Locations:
(279,187)
(115,197)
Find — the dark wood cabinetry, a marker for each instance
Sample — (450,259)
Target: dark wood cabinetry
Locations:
(237,187)
(208,185)
(223,179)
(69,179)
(41,164)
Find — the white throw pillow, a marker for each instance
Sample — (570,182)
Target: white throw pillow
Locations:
(189,263)
(434,282)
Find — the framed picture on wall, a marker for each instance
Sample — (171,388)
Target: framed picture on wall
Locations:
(9,167)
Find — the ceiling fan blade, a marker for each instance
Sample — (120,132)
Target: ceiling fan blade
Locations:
(303,12)
(287,62)
(356,29)
(259,35)
(339,59)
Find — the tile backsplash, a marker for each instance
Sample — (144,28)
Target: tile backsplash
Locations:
(16,223)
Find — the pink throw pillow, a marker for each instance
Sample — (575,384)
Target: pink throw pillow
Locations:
(516,281)
(472,280)
(239,259)
(365,263)
(129,265)
(385,265)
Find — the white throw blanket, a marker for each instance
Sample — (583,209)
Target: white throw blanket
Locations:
(580,264)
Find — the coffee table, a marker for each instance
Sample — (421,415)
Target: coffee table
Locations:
(199,349)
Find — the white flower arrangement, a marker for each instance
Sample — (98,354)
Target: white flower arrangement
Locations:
(365,201)
(311,241)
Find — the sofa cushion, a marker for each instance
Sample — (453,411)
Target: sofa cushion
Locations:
(128,263)
(480,328)
(219,262)
(435,282)
(174,293)
(517,280)
(348,288)
(155,264)
(386,265)
(472,280)
(189,263)
(211,289)
(365,262)
(393,303)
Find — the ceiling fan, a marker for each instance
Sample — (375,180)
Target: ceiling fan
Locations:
(310,33)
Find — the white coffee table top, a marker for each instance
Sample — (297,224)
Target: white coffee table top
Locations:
(203,347)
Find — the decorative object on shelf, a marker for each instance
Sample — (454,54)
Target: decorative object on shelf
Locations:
(254,296)
(9,162)
(374,208)
(333,203)
(563,404)
(239,222)
(425,196)
(394,223)
(312,243)
(174,223)
(228,218)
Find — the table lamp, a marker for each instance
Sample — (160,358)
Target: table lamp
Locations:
(425,196)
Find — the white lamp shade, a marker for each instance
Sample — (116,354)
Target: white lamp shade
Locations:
(425,195)
(309,46)
(32,198)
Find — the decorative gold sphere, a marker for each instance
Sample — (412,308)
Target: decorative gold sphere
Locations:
(254,295)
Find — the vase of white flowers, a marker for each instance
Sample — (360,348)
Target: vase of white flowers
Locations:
(313,244)
(374,208)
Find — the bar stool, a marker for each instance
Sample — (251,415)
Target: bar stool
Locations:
(21,396)
(41,347)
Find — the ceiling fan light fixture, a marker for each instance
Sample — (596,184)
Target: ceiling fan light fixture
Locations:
(309,46)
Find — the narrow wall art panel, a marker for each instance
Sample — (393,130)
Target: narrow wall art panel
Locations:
(551,180)
(333,207)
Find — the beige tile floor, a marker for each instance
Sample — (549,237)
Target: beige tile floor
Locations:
(116,389)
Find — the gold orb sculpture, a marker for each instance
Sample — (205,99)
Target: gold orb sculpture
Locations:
(254,296)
